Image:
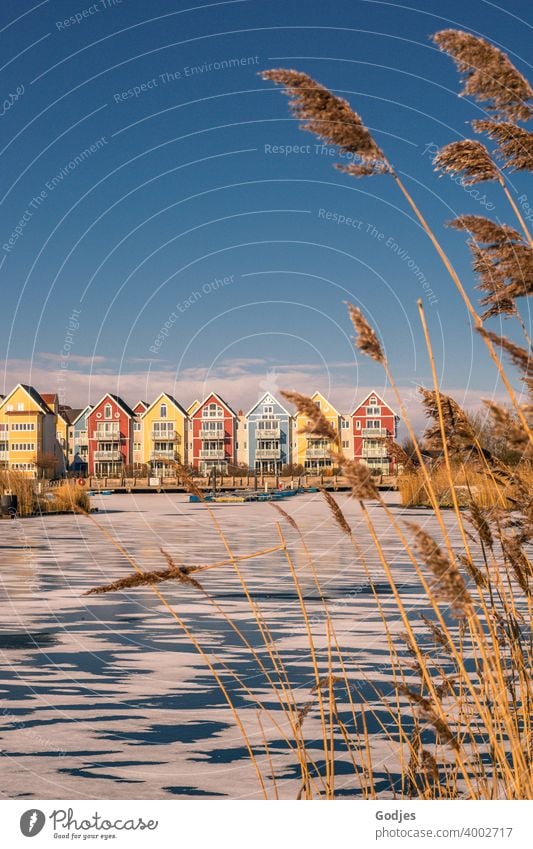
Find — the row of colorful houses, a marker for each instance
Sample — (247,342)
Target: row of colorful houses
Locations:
(41,437)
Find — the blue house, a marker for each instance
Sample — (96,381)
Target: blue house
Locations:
(80,443)
(269,435)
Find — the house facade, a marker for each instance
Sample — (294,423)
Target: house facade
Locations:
(110,432)
(28,441)
(214,430)
(269,435)
(80,442)
(138,453)
(314,452)
(375,425)
(164,426)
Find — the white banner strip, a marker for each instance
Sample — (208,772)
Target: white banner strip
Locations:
(213,823)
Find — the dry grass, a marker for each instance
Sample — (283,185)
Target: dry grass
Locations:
(470,484)
(67,497)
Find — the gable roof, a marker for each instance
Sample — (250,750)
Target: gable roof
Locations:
(143,404)
(383,403)
(172,401)
(193,407)
(274,399)
(318,394)
(33,394)
(68,414)
(86,410)
(224,403)
(118,400)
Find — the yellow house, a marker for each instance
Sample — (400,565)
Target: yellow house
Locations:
(313,452)
(164,430)
(28,433)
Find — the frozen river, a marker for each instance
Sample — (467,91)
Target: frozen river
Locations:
(104,697)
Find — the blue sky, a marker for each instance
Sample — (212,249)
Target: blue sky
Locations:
(202,239)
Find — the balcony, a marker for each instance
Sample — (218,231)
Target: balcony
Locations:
(114,433)
(206,433)
(165,454)
(267,454)
(375,452)
(110,456)
(375,433)
(267,432)
(4,455)
(165,435)
(317,453)
(212,454)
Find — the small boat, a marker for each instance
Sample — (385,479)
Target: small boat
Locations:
(106,492)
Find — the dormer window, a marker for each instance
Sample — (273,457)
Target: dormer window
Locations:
(373,400)
(108,411)
(163,411)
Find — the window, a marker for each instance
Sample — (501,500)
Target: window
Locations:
(268,408)
(20,406)
(317,404)
(23,426)
(358,425)
(373,411)
(213,411)
(3,427)
(345,443)
(345,423)
(373,400)
(373,424)
(136,425)
(107,411)
(163,411)
(137,446)
(23,446)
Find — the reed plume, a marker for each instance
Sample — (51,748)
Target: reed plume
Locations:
(366,339)
(515,144)
(331,119)
(449,586)
(470,157)
(502,259)
(489,76)
(318,425)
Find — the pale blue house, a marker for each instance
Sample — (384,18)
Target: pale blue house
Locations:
(269,427)
(80,443)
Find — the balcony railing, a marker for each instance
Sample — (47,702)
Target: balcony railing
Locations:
(267,432)
(4,455)
(318,453)
(165,435)
(375,452)
(166,454)
(267,454)
(376,433)
(212,454)
(108,455)
(114,433)
(206,433)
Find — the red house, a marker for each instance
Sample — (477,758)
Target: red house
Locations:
(110,432)
(375,424)
(214,429)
